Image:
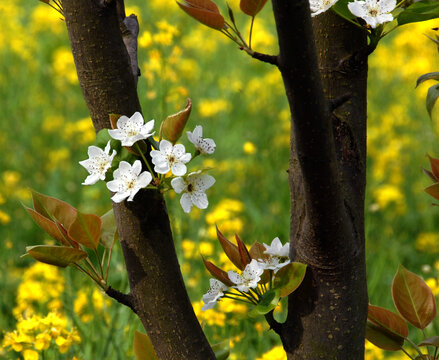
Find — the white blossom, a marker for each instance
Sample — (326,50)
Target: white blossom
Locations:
(193,189)
(128,181)
(320,6)
(97,164)
(216,291)
(272,263)
(374,12)
(204,146)
(170,157)
(277,249)
(249,277)
(130,130)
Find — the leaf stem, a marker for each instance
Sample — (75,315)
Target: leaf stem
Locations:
(415,346)
(145,161)
(251,31)
(405,352)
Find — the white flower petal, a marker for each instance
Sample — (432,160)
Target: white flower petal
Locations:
(137,167)
(124,166)
(234,277)
(137,119)
(119,197)
(162,168)
(122,121)
(199,199)
(357,8)
(91,179)
(178,184)
(179,169)
(144,179)
(186,203)
(165,146)
(204,182)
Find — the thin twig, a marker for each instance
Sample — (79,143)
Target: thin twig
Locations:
(270,59)
(125,299)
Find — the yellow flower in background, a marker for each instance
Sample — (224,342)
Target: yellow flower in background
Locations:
(44,18)
(211,317)
(30,355)
(277,353)
(212,107)
(387,194)
(63,65)
(58,158)
(372,352)
(145,40)
(427,242)
(225,215)
(249,148)
(433,285)
(188,247)
(206,248)
(80,132)
(4,218)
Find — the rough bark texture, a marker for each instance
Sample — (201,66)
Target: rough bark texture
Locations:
(327,313)
(157,289)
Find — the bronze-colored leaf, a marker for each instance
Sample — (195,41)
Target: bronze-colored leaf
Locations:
(230,249)
(109,229)
(378,336)
(218,273)
(257,251)
(51,208)
(252,7)
(173,125)
(243,252)
(434,164)
(433,190)
(413,298)
(431,341)
(389,320)
(61,256)
(206,14)
(143,349)
(86,230)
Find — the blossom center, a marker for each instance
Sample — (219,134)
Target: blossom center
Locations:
(373,12)
(190,188)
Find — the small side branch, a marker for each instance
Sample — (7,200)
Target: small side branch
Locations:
(274,325)
(270,59)
(356,61)
(125,299)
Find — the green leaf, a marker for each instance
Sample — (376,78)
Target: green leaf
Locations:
(432,95)
(61,256)
(431,341)
(378,336)
(433,190)
(419,11)
(143,348)
(289,278)
(268,302)
(413,298)
(221,350)
(109,233)
(86,230)
(392,322)
(341,9)
(428,76)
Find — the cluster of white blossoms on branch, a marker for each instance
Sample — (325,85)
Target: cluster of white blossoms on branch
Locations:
(168,160)
(244,285)
(373,12)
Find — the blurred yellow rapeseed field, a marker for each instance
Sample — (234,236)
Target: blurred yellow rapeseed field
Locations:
(241,104)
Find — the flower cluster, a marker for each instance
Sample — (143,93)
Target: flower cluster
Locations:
(249,285)
(167,158)
(373,12)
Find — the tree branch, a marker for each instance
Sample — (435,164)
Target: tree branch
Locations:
(130,32)
(270,59)
(124,299)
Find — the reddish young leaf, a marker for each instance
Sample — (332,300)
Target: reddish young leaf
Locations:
(433,190)
(434,164)
(430,175)
(257,251)
(431,341)
(379,336)
(204,11)
(230,249)
(413,298)
(86,230)
(243,252)
(143,349)
(47,225)
(173,125)
(218,273)
(252,7)
(61,256)
(53,208)
(388,320)
(289,278)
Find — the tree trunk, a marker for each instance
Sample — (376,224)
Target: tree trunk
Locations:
(157,294)
(327,314)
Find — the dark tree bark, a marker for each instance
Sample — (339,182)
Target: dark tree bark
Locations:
(327,97)
(327,314)
(157,292)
